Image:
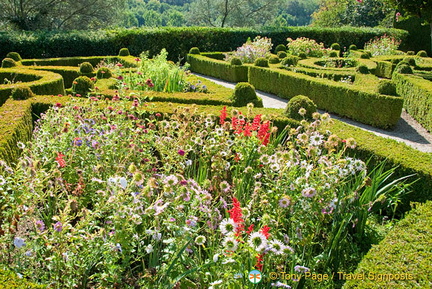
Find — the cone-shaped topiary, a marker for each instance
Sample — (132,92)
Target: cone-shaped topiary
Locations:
(300,107)
(82,85)
(124,52)
(352,47)
(14,55)
(282,54)
(280,47)
(273,59)
(194,50)
(236,61)
(22,93)
(422,53)
(8,62)
(335,46)
(387,87)
(261,62)
(244,93)
(290,60)
(363,69)
(86,67)
(104,72)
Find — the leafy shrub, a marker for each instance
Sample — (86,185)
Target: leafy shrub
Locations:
(302,55)
(194,50)
(124,52)
(387,87)
(306,45)
(104,72)
(404,68)
(333,54)
(410,60)
(352,47)
(273,60)
(290,60)
(86,67)
(280,47)
(8,62)
(244,93)
(282,54)
(422,53)
(365,55)
(410,52)
(335,46)
(395,61)
(258,48)
(82,85)
(236,61)
(261,62)
(363,69)
(384,45)
(300,107)
(22,93)
(14,55)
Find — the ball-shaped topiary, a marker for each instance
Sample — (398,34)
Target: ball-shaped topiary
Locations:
(244,93)
(14,55)
(410,60)
(104,72)
(261,62)
(8,62)
(124,52)
(365,55)
(236,61)
(387,87)
(363,69)
(298,102)
(333,54)
(302,55)
(290,61)
(282,54)
(410,52)
(82,85)
(86,67)
(335,46)
(22,93)
(352,47)
(404,68)
(422,53)
(194,50)
(273,59)
(280,47)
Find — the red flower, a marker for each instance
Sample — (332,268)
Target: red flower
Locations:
(58,104)
(247,130)
(264,133)
(250,229)
(59,159)
(237,216)
(256,122)
(259,265)
(223,115)
(265,231)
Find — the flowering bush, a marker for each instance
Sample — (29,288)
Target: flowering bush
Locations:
(384,45)
(306,45)
(258,48)
(110,196)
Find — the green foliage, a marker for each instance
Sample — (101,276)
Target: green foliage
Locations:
(124,52)
(387,87)
(404,68)
(236,61)
(365,55)
(305,45)
(282,54)
(335,46)
(104,72)
(300,107)
(14,55)
(82,85)
(10,280)
(244,93)
(334,54)
(290,60)
(422,53)
(194,50)
(8,63)
(218,68)
(280,47)
(273,59)
(22,93)
(261,62)
(411,52)
(86,67)
(302,55)
(352,47)
(410,60)
(363,69)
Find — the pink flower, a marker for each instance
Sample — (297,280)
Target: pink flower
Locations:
(181,152)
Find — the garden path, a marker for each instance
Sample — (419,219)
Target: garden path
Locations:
(407,130)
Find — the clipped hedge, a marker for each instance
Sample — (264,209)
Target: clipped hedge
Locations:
(384,69)
(404,254)
(9,280)
(218,68)
(417,93)
(341,98)
(127,61)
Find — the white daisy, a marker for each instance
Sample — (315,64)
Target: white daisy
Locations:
(227,226)
(230,243)
(258,241)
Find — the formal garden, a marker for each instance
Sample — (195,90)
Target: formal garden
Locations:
(130,171)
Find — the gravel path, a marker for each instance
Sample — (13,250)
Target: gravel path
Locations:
(407,130)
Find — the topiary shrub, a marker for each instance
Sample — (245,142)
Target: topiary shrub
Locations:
(86,67)
(422,53)
(280,47)
(290,61)
(82,85)
(363,69)
(298,102)
(282,54)
(333,54)
(273,60)
(410,60)
(403,68)
(261,62)
(194,50)
(410,52)
(244,93)
(8,62)
(236,61)
(387,87)
(14,55)
(124,52)
(365,55)
(22,93)
(352,47)
(302,55)
(395,60)
(103,72)
(335,46)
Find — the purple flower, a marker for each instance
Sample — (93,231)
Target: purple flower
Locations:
(19,242)
(40,225)
(58,226)
(181,152)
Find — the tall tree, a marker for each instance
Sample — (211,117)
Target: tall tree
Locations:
(59,14)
